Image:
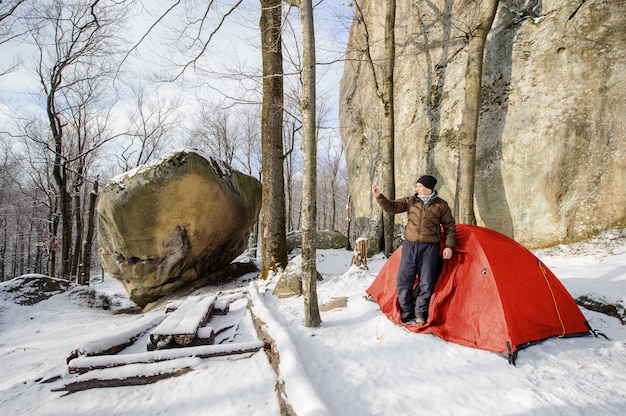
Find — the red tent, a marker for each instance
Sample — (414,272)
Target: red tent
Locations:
(493,294)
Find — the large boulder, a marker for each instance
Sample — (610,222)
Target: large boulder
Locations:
(166,224)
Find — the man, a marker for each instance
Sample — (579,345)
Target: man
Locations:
(426,215)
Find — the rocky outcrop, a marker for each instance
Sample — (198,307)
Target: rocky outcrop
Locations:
(551,151)
(169,223)
(289,281)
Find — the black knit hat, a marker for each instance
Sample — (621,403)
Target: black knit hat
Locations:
(428,181)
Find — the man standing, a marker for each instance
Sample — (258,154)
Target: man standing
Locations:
(427,214)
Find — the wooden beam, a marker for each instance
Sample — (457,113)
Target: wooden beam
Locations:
(88,363)
(181,326)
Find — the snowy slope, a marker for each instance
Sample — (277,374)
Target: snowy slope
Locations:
(356,363)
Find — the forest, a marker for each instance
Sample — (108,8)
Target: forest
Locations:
(91,89)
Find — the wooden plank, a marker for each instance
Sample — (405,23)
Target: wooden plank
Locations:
(84,364)
(180,326)
(136,375)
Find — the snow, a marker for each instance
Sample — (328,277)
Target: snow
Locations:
(222,168)
(356,363)
(302,395)
(187,317)
(131,333)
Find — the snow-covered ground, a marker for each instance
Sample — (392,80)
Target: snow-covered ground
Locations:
(356,363)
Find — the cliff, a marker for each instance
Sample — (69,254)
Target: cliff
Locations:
(551,143)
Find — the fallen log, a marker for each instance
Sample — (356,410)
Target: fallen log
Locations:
(85,364)
(204,336)
(180,326)
(133,375)
(221,307)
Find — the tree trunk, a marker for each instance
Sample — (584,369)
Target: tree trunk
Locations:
(29,256)
(66,224)
(309,168)
(469,122)
(3,250)
(85,266)
(78,220)
(388,171)
(274,245)
(15,250)
(59,173)
(53,221)
(348,218)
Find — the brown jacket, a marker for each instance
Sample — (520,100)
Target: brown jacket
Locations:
(424,222)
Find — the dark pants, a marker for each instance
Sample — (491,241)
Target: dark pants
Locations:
(420,259)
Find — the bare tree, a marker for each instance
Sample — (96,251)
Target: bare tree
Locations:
(80,53)
(486,11)
(8,166)
(309,165)
(291,142)
(249,154)
(330,164)
(216,132)
(9,31)
(28,205)
(194,41)
(274,250)
(38,184)
(7,8)
(152,123)
(85,131)
(85,269)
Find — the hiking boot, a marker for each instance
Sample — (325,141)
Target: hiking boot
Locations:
(414,321)
(407,316)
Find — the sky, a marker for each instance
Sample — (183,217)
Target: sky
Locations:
(234,49)
(356,363)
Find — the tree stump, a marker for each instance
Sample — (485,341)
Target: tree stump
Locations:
(359,258)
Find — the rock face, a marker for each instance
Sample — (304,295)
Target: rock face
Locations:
(166,224)
(551,147)
(289,281)
(325,239)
